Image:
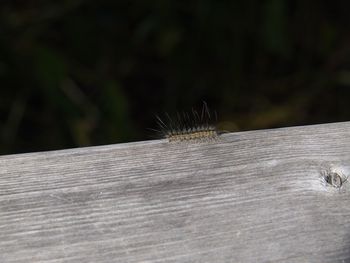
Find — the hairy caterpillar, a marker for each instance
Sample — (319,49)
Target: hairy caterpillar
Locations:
(189,127)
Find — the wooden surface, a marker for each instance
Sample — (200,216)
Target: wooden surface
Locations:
(258,196)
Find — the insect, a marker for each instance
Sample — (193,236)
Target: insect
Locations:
(189,127)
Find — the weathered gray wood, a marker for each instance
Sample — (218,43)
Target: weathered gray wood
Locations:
(257,196)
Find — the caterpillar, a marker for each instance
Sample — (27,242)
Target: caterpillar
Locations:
(189,127)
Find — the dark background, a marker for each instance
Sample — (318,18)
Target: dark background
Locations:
(80,72)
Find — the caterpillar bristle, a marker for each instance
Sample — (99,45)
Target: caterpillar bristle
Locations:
(193,127)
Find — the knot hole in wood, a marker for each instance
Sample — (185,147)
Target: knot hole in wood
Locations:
(335,179)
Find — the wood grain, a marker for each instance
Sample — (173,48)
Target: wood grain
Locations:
(258,196)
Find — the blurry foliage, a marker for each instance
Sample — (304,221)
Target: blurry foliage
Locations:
(83,72)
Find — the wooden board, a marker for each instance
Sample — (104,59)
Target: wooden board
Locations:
(258,196)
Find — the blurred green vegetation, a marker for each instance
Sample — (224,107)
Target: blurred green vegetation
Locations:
(82,72)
